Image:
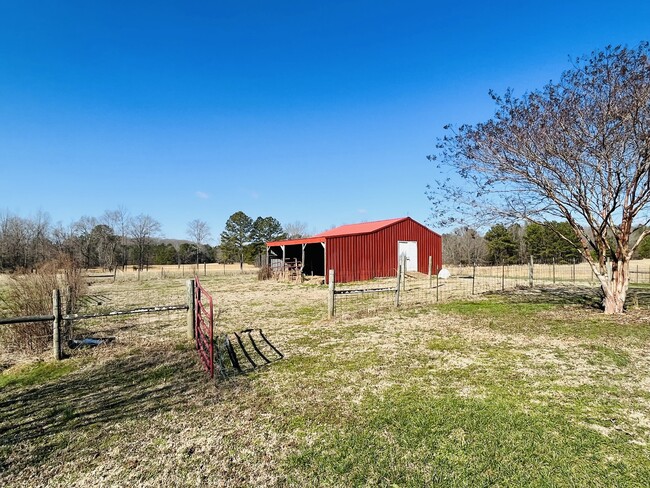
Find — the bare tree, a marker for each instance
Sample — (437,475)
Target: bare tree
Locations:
(118,220)
(296,230)
(14,241)
(85,240)
(199,232)
(39,229)
(578,150)
(463,246)
(142,229)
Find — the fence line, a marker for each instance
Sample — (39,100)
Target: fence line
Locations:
(462,282)
(57,317)
(171,271)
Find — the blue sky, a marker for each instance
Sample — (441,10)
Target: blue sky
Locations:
(321,112)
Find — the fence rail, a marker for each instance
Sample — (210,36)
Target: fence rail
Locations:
(58,317)
(26,319)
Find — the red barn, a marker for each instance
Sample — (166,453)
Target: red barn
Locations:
(360,252)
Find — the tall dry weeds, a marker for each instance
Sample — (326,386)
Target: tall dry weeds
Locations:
(265,273)
(31,295)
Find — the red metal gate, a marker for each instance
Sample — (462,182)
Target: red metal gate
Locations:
(204,326)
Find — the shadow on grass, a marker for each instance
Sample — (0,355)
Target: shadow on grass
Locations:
(571,295)
(558,295)
(127,388)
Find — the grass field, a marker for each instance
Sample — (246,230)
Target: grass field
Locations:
(512,390)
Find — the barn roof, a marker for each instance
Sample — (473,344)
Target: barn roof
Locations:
(343,230)
(363,228)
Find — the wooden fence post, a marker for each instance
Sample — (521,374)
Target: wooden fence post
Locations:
(430,268)
(473,276)
(530,272)
(503,275)
(398,285)
(68,309)
(190,309)
(553,270)
(404,272)
(56,326)
(437,284)
(330,295)
(573,271)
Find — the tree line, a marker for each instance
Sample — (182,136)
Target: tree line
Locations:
(516,243)
(117,239)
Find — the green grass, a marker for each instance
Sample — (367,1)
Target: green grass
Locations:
(604,354)
(450,343)
(38,373)
(413,438)
(308,314)
(516,315)
(500,391)
(494,307)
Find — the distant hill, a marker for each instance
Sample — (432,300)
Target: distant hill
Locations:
(173,242)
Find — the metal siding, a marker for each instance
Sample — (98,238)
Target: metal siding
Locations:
(365,256)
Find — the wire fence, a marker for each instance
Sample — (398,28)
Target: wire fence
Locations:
(171,271)
(464,282)
(112,314)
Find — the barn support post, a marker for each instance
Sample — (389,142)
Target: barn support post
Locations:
(56,325)
(330,295)
(398,284)
(190,309)
(430,267)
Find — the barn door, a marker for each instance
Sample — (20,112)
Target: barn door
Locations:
(410,249)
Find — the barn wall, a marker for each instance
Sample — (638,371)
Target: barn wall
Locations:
(366,256)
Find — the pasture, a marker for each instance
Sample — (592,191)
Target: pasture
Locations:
(517,389)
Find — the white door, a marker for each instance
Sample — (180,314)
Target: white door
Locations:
(410,249)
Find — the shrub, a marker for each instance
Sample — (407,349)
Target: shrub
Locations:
(265,273)
(31,294)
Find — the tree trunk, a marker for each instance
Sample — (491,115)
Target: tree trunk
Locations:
(615,288)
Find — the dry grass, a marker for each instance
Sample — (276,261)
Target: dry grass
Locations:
(31,295)
(344,407)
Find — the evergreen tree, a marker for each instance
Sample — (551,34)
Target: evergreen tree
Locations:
(265,229)
(236,237)
(502,248)
(545,244)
